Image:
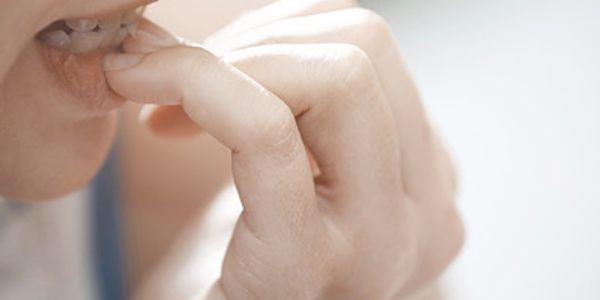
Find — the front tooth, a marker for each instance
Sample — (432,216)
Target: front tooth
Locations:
(82,24)
(85,35)
(109,28)
(57,38)
(110,23)
(82,42)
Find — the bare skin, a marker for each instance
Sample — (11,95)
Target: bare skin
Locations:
(55,129)
(321,70)
(374,220)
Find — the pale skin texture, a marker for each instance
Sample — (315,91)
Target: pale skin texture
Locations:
(375,221)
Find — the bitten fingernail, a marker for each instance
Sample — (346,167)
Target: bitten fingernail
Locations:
(116,62)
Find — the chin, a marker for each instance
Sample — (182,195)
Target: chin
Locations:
(62,164)
(55,133)
(54,136)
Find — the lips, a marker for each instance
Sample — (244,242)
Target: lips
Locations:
(79,36)
(73,51)
(82,77)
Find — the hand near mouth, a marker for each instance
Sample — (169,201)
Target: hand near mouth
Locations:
(378,220)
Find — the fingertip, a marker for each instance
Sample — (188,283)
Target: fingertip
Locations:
(149,37)
(143,78)
(121,61)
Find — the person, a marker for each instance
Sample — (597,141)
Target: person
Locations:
(346,191)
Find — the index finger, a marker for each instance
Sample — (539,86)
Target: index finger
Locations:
(270,166)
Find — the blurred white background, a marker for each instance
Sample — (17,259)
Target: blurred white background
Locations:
(514,86)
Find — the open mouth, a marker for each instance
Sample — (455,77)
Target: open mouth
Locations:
(80,36)
(71,52)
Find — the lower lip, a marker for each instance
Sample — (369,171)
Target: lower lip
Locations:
(82,76)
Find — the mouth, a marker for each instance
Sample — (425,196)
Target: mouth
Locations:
(80,36)
(73,51)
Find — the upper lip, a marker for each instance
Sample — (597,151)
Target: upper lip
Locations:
(81,73)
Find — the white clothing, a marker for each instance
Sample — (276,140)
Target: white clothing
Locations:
(45,250)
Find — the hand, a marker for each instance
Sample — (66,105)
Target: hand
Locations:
(378,222)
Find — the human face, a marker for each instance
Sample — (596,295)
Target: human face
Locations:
(57,115)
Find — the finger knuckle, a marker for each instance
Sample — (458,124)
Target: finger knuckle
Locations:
(373,30)
(191,63)
(276,130)
(243,274)
(356,77)
(374,24)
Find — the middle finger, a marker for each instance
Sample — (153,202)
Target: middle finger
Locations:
(425,174)
(342,115)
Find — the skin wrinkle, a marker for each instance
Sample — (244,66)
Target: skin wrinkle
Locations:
(79,78)
(355,235)
(322,126)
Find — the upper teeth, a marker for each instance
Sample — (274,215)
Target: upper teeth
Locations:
(82,24)
(57,38)
(85,35)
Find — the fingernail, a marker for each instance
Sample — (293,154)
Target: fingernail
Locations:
(116,62)
(154,36)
